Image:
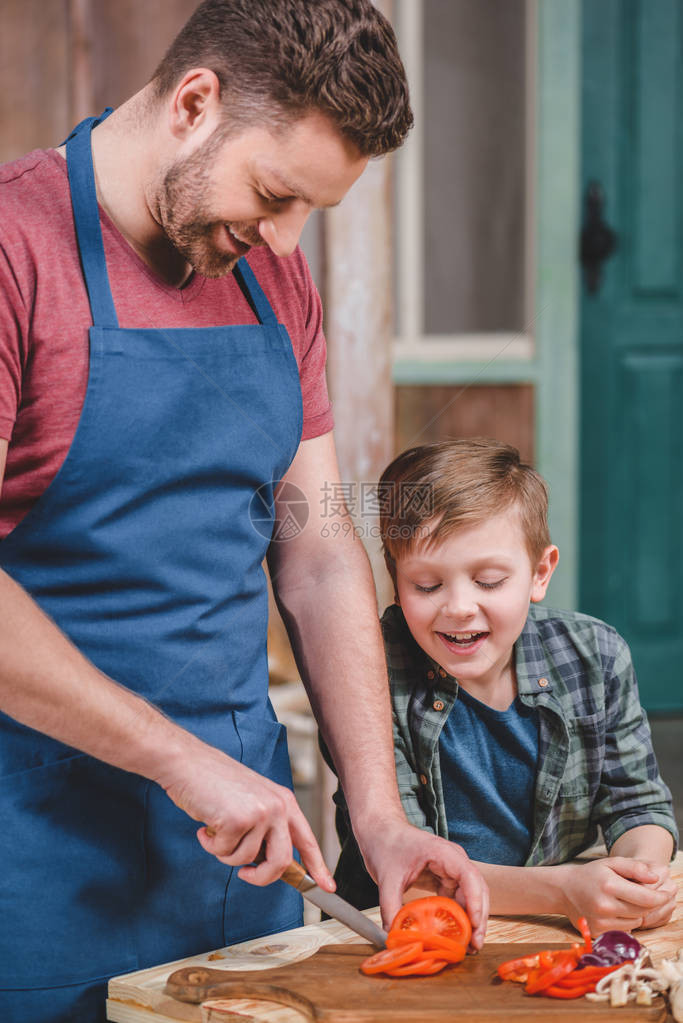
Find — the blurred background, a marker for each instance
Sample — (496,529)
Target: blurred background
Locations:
(515,271)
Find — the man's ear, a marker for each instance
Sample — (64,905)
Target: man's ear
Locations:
(547,564)
(195,103)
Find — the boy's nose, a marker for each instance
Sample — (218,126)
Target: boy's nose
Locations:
(459,605)
(281,231)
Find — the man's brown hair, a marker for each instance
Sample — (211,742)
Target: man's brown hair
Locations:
(277,60)
(428,493)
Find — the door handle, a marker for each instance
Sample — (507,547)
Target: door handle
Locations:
(598,240)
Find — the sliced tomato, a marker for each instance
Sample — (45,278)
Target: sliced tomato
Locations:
(435,915)
(390,958)
(423,967)
(447,948)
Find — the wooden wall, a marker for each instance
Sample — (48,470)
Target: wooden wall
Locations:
(432,413)
(62,60)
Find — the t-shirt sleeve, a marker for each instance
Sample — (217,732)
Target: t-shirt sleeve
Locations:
(13,334)
(318,418)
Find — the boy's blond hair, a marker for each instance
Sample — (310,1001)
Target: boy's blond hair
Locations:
(428,493)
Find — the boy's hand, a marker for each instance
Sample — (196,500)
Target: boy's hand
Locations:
(619,893)
(399,855)
(664,883)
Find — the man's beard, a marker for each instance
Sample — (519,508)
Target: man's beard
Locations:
(185,218)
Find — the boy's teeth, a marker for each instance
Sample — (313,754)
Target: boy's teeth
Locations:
(461,637)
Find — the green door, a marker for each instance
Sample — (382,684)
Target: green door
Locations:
(631,536)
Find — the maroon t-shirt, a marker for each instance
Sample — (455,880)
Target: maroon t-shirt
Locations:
(45,316)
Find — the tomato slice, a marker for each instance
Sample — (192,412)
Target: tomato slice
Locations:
(423,967)
(435,915)
(390,958)
(447,948)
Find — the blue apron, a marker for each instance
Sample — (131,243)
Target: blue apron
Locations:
(142,551)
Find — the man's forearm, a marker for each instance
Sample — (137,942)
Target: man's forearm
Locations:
(343,667)
(47,684)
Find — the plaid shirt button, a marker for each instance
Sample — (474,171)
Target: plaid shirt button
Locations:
(438,705)
(423,779)
(543,682)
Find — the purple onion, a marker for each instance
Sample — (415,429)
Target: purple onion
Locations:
(611,948)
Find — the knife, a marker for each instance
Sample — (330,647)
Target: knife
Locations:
(332,904)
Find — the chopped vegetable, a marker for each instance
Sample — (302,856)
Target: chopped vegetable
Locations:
(548,973)
(633,981)
(517,970)
(421,967)
(426,935)
(390,958)
(557,973)
(610,948)
(435,914)
(448,948)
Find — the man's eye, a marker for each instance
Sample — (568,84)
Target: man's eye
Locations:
(271,199)
(427,589)
(490,586)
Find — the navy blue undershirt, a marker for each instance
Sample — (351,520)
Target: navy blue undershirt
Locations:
(489,760)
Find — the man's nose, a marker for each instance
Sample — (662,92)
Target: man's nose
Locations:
(281,231)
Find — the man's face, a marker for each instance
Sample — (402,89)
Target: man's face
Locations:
(466,600)
(256,188)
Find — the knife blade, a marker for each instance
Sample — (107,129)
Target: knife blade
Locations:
(296,876)
(330,903)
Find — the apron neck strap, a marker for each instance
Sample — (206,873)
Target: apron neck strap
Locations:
(87,221)
(252,291)
(89,235)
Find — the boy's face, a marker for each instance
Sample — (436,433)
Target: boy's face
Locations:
(466,601)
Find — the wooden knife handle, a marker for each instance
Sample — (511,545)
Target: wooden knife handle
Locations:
(296,876)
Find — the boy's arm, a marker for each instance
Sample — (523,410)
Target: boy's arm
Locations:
(632,794)
(613,893)
(631,887)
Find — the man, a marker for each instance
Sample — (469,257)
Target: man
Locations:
(149,397)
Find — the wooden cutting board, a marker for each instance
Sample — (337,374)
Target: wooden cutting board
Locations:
(329,987)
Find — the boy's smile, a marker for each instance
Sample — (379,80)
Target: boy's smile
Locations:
(466,601)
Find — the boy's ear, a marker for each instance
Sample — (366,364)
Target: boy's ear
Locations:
(544,569)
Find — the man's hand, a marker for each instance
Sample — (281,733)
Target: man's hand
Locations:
(244,814)
(399,856)
(619,893)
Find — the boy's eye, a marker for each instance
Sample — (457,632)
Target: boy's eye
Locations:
(427,589)
(490,586)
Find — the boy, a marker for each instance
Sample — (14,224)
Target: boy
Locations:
(518,731)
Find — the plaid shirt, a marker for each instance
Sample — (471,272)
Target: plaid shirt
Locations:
(597,768)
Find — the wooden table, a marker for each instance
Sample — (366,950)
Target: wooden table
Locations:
(139,997)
